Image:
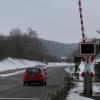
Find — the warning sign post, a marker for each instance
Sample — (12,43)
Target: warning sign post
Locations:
(88,86)
(87,53)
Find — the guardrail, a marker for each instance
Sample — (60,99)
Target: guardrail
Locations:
(61,93)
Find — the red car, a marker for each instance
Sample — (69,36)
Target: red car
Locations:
(34,75)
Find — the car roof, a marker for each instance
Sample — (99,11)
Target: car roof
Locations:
(33,68)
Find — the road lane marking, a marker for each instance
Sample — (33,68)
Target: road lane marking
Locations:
(7,98)
(4,87)
(11,74)
(10,78)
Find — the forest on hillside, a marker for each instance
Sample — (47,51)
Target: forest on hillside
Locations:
(23,45)
(28,45)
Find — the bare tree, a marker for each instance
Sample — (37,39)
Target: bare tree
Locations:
(32,33)
(15,32)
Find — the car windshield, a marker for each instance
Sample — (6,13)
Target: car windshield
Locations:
(33,70)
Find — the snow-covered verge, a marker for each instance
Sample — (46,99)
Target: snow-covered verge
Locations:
(56,64)
(10,64)
(75,93)
(10,74)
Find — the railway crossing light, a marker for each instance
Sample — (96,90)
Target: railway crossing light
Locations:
(87,52)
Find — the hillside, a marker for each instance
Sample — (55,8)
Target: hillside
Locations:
(59,49)
(33,48)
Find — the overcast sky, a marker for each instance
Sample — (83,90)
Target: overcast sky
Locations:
(56,20)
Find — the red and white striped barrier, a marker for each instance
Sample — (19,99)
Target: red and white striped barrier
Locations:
(81,20)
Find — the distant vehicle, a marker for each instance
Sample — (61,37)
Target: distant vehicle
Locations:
(34,75)
(43,67)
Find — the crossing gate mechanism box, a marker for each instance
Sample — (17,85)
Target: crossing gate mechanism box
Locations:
(77,59)
(87,48)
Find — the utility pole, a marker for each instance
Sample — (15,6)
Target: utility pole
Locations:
(87,53)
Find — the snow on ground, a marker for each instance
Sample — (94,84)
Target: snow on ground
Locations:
(12,63)
(74,94)
(10,74)
(52,64)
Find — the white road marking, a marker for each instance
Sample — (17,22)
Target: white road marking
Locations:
(11,74)
(6,98)
(4,87)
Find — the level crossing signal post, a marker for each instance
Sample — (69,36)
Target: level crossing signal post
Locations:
(87,53)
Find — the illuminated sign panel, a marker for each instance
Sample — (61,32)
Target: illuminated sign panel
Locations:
(87,48)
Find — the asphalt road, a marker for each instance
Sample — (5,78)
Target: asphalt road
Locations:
(11,88)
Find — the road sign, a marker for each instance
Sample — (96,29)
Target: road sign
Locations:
(87,48)
(92,58)
(83,74)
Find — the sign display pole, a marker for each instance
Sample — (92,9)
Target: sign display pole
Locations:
(88,87)
(87,51)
